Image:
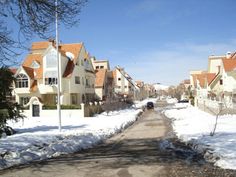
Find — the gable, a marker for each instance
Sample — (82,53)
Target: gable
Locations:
(30,60)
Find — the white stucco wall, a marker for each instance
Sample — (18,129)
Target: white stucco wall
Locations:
(99,93)
(229,83)
(213,65)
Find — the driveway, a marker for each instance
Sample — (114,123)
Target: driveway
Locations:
(147,148)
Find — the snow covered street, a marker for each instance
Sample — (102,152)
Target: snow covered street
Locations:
(194,126)
(39,138)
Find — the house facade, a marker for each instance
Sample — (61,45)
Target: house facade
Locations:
(218,83)
(37,76)
(124,85)
(140,92)
(104,79)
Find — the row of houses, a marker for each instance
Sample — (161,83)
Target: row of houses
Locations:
(217,83)
(83,78)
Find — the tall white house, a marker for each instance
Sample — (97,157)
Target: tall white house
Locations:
(37,76)
(104,80)
(123,84)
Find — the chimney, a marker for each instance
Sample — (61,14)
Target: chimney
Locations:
(218,69)
(228,55)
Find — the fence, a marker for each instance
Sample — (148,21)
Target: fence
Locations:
(214,106)
(54,113)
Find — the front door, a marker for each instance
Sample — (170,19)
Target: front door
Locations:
(35,110)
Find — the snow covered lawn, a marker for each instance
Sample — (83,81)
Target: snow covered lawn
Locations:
(191,124)
(39,138)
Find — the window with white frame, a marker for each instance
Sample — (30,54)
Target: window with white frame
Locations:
(21,81)
(50,81)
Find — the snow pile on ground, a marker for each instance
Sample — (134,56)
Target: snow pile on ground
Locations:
(195,126)
(39,138)
(171,100)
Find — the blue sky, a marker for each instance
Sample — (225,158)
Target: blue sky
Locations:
(156,40)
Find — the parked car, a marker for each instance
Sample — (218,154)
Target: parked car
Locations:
(150,105)
(183,101)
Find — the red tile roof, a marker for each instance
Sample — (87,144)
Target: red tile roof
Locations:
(34,86)
(69,69)
(40,45)
(29,71)
(75,50)
(72,48)
(39,59)
(203,78)
(100,77)
(229,64)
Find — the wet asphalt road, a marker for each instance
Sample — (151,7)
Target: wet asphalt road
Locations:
(147,148)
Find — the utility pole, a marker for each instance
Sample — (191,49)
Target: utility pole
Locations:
(58,72)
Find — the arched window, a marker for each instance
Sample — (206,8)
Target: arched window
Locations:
(21,81)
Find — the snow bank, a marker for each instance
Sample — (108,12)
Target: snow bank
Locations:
(171,100)
(194,126)
(39,138)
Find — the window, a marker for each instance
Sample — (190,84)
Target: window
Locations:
(21,81)
(73,98)
(50,81)
(77,80)
(119,79)
(221,81)
(51,60)
(97,67)
(24,100)
(87,82)
(125,86)
(101,67)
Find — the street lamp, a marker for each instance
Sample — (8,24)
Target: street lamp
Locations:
(58,71)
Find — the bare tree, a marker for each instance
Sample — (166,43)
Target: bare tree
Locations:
(35,17)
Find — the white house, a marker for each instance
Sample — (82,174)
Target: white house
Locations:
(224,85)
(124,85)
(37,76)
(104,80)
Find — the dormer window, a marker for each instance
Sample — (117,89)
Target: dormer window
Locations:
(35,65)
(21,81)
